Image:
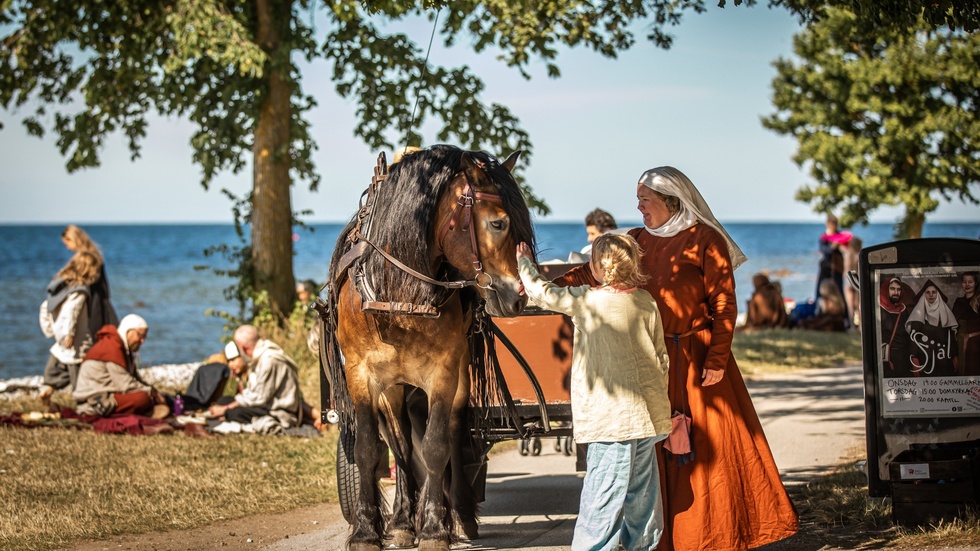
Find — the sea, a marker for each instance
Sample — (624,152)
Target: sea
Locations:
(161,272)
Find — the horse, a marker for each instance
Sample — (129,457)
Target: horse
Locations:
(432,247)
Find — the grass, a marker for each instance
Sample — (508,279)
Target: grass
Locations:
(100,485)
(782,350)
(837,506)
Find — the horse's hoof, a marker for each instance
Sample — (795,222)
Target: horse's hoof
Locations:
(400,539)
(433,545)
(470,529)
(361,546)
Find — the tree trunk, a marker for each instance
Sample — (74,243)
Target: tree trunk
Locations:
(911,226)
(272,208)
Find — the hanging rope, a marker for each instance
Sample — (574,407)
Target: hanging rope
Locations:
(425,68)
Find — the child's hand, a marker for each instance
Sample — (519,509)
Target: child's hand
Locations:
(523,250)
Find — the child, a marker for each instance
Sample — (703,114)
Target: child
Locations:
(64,315)
(619,393)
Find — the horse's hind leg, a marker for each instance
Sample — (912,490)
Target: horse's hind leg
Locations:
(368,449)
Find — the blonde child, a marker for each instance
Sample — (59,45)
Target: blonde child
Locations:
(619,393)
(64,316)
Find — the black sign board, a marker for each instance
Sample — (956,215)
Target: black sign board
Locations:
(921,340)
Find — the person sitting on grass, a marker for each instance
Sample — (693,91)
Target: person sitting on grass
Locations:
(64,317)
(831,311)
(108,380)
(270,400)
(766,310)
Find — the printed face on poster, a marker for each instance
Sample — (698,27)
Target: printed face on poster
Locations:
(928,352)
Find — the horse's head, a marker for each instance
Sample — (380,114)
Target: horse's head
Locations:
(482,216)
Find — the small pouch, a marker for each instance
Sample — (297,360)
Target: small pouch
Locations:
(679,440)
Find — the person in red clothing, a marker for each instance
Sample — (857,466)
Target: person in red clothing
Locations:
(108,381)
(729,495)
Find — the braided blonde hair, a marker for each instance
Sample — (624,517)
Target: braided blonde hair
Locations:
(618,256)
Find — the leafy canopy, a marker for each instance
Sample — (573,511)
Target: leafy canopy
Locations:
(888,119)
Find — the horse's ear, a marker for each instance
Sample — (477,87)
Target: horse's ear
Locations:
(511,161)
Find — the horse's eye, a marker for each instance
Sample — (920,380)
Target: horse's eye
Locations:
(498,225)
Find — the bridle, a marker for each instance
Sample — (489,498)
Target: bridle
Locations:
(464,210)
(460,218)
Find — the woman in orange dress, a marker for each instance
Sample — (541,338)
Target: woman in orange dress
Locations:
(727,495)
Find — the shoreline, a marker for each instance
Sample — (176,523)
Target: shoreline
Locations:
(169,375)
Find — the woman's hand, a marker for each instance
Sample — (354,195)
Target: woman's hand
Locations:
(712,376)
(68,341)
(217,410)
(523,250)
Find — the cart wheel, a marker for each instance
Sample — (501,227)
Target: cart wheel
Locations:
(536,446)
(569,446)
(523,447)
(348,478)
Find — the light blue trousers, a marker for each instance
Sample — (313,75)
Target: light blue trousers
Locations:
(621,501)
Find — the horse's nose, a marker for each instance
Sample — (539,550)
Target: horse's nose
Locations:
(519,304)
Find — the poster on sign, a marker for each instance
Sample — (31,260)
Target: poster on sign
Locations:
(928,336)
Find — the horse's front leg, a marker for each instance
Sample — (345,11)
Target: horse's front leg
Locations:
(368,449)
(435,522)
(463,459)
(396,428)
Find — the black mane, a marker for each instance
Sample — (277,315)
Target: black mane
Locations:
(404,215)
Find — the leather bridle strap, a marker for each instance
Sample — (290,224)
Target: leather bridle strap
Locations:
(446,284)
(464,208)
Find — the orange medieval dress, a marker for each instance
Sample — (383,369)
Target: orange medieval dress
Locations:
(730,497)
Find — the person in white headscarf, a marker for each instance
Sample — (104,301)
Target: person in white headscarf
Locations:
(728,495)
(932,333)
(108,380)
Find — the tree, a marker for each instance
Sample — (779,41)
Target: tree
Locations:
(883,119)
(876,15)
(229,66)
(90,68)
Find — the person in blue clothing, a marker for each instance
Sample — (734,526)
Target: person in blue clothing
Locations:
(619,393)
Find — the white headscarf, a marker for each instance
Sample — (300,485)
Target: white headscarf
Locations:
(670,181)
(131,321)
(936,314)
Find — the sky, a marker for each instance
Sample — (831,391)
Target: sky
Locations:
(595,130)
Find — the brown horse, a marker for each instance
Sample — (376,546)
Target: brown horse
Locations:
(434,242)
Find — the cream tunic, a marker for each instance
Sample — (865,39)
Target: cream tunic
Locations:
(619,359)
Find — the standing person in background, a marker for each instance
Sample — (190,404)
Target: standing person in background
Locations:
(64,316)
(100,309)
(852,295)
(619,394)
(730,495)
(832,241)
(966,309)
(597,223)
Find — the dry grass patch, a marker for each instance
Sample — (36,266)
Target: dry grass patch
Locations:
(838,506)
(782,350)
(63,486)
